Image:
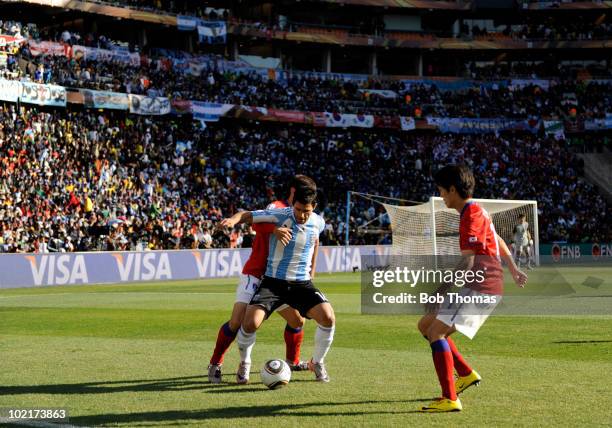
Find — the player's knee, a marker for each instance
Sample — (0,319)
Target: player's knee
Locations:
(328,319)
(249,326)
(434,332)
(423,326)
(234,324)
(296,322)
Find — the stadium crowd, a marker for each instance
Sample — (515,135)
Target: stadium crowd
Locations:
(314,93)
(85,180)
(579,28)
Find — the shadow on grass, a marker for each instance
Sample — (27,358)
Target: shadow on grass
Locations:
(580,342)
(181,417)
(186,383)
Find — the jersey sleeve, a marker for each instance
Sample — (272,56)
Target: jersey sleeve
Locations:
(471,233)
(270,216)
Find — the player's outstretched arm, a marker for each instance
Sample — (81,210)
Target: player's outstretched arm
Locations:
(520,277)
(239,217)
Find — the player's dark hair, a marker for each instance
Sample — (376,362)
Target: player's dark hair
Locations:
(459,176)
(522,216)
(305,195)
(301,181)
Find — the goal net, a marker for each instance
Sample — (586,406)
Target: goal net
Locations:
(432,229)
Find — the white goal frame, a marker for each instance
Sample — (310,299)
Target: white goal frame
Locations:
(436,201)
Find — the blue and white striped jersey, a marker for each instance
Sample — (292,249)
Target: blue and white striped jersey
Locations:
(291,262)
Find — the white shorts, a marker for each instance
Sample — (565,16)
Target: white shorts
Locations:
(467,317)
(247,286)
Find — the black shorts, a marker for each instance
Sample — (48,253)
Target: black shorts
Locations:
(300,295)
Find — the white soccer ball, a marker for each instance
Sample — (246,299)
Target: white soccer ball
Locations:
(275,374)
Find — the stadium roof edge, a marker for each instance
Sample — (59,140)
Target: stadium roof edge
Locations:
(467,5)
(107,9)
(246,30)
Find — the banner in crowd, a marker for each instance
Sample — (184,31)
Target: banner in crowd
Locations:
(212,32)
(554,128)
(391,122)
(105,99)
(478,126)
(382,93)
(49,48)
(517,84)
(337,120)
(122,56)
(43,95)
(455,83)
(209,112)
(186,23)
(10,40)
(559,252)
(407,123)
(599,124)
(9,90)
(180,107)
(315,118)
(32,270)
(156,106)
(260,62)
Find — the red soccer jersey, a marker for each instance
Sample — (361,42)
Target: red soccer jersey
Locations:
(477,233)
(258,260)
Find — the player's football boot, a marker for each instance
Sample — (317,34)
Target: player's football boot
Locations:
(301,366)
(319,371)
(243,374)
(442,405)
(464,382)
(214,373)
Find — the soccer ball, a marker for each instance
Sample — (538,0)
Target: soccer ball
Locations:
(275,374)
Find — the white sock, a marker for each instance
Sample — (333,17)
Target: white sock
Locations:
(245,341)
(324,336)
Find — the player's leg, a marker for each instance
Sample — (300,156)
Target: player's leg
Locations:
(323,314)
(461,366)
(265,301)
(530,259)
(247,286)
(294,336)
(442,356)
(225,337)
(516,250)
(466,375)
(253,318)
(425,322)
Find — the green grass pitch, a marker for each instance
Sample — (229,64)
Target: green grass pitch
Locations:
(136,355)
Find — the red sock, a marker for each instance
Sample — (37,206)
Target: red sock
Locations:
(443,361)
(462,367)
(224,339)
(293,343)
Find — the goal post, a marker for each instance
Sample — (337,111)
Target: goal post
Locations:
(430,228)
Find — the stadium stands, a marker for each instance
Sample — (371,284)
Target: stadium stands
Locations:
(66,175)
(79,178)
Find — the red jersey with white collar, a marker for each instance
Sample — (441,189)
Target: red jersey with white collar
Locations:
(477,233)
(258,260)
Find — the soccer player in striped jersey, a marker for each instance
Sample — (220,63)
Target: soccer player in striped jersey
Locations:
(288,278)
(249,281)
(481,248)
